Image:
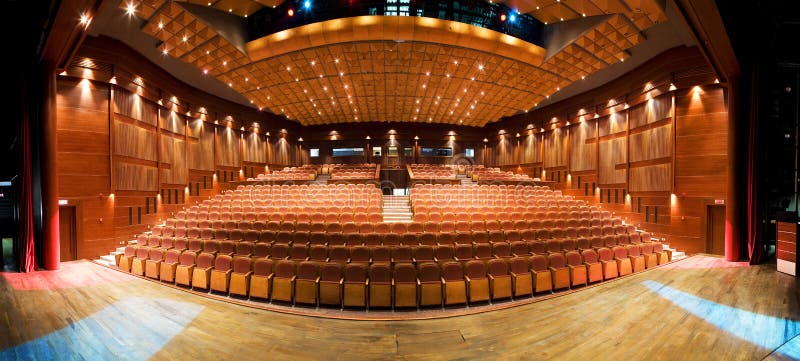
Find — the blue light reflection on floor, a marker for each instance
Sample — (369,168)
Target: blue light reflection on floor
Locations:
(765,331)
(130,329)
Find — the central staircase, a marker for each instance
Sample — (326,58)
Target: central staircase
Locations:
(321,179)
(396,209)
(465,181)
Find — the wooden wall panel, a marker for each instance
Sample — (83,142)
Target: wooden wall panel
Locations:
(173,151)
(201,146)
(531,149)
(613,149)
(134,106)
(228,149)
(651,144)
(651,178)
(135,177)
(172,121)
(133,141)
(555,148)
(582,146)
(653,110)
(255,148)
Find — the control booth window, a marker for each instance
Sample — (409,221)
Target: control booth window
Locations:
(391,151)
(376,151)
(313,152)
(408,152)
(348,152)
(436,152)
(470,153)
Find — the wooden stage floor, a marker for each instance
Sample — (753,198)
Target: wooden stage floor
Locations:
(700,308)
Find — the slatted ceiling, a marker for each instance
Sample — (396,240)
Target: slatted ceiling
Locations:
(385,78)
(237,7)
(144,8)
(643,13)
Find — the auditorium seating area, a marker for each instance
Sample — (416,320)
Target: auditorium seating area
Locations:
(431,172)
(352,171)
(322,246)
(495,174)
(303,173)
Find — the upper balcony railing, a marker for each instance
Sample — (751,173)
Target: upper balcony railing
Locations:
(485,14)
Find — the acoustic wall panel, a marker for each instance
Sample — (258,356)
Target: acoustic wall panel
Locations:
(133,141)
(583,150)
(613,149)
(133,106)
(228,149)
(201,146)
(135,177)
(531,149)
(255,148)
(555,148)
(651,178)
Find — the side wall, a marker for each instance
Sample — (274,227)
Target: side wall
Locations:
(134,149)
(650,146)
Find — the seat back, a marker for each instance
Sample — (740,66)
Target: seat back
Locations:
(355,273)
(380,273)
(142,252)
(172,257)
(205,260)
(429,272)
(359,254)
(188,258)
(497,267)
(308,271)
(538,263)
(241,265)
(475,269)
(452,272)
(519,265)
(156,254)
(223,263)
(331,272)
(381,254)
(405,273)
(605,254)
(589,256)
(263,267)
(573,258)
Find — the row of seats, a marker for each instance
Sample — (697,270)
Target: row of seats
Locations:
(377,284)
(305,172)
(495,174)
(431,171)
(429,239)
(363,214)
(521,229)
(454,249)
(353,171)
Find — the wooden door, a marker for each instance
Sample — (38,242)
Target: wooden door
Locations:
(715,234)
(68,241)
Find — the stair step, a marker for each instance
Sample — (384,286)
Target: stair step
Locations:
(121,249)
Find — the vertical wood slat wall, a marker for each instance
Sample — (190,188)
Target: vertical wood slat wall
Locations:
(659,162)
(129,163)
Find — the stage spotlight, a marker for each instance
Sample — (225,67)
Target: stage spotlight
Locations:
(307,4)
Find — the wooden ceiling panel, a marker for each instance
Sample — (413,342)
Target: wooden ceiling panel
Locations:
(399,80)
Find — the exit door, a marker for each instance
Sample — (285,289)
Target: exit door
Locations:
(715,234)
(67,234)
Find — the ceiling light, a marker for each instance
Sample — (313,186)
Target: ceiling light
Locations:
(336,61)
(225,63)
(205,71)
(480,67)
(427,73)
(160,25)
(185,38)
(165,51)
(131,9)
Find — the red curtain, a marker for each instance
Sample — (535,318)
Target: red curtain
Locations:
(755,243)
(27,263)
